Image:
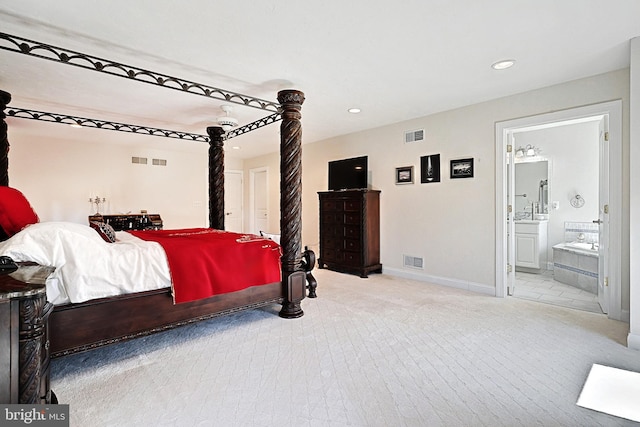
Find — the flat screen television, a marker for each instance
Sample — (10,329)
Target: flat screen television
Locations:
(348,174)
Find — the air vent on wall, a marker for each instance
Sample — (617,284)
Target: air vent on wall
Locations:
(413,261)
(159,162)
(139,160)
(414,136)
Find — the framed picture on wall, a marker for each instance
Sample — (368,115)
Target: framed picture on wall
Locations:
(462,168)
(404,175)
(430,168)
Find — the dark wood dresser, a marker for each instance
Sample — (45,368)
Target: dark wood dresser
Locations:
(350,231)
(24,339)
(141,221)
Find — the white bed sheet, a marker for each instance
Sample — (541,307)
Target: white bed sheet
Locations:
(87,267)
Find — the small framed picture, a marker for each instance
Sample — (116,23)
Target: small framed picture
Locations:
(404,175)
(430,169)
(462,168)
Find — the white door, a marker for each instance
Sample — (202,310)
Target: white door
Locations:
(259,200)
(233,201)
(610,199)
(603,217)
(511,247)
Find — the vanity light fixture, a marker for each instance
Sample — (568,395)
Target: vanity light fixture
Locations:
(531,151)
(354,110)
(520,152)
(503,64)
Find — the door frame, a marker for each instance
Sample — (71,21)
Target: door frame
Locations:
(252,194)
(503,132)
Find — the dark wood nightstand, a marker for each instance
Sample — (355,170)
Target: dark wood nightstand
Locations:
(24,340)
(141,221)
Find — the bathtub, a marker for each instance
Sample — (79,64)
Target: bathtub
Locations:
(576,264)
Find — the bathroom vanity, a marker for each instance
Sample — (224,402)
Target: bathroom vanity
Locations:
(531,245)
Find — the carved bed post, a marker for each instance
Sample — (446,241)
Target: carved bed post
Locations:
(5,98)
(216,177)
(293,277)
(33,318)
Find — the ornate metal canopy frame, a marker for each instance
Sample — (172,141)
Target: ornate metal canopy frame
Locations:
(65,56)
(22,113)
(70,57)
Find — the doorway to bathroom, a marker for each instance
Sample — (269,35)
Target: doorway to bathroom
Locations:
(558,204)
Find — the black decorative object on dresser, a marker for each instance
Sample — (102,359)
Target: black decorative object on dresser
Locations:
(24,336)
(141,221)
(350,231)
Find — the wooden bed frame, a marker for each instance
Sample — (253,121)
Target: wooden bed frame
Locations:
(84,326)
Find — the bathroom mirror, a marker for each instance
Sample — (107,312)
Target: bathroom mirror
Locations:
(532,190)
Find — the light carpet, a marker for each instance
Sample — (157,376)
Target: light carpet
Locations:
(381,351)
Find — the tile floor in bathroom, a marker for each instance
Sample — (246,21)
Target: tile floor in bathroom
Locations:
(541,287)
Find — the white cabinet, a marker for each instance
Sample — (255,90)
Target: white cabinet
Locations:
(531,245)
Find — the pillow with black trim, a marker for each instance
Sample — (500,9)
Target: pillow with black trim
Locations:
(15,211)
(271,236)
(105,231)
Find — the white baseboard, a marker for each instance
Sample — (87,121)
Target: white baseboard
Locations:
(444,281)
(633,341)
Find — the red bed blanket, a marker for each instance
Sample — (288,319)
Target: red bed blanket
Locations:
(204,262)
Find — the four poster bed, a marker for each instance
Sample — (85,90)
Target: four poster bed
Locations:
(81,326)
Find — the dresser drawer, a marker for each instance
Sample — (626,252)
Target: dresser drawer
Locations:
(351,258)
(332,218)
(353,205)
(352,218)
(331,242)
(352,245)
(332,205)
(331,255)
(352,232)
(332,231)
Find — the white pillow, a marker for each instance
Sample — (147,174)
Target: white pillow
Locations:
(274,237)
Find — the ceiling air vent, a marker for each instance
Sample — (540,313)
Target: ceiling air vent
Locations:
(414,136)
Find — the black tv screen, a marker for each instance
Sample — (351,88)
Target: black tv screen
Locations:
(348,174)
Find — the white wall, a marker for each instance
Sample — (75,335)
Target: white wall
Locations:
(634,235)
(573,169)
(450,224)
(58,175)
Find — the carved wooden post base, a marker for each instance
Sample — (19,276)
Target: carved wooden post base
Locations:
(33,362)
(295,291)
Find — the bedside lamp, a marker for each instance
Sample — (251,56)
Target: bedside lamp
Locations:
(97,200)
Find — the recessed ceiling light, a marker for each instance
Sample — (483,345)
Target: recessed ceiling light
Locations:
(354,110)
(504,64)
(235,147)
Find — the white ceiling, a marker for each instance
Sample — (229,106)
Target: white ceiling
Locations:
(394,60)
